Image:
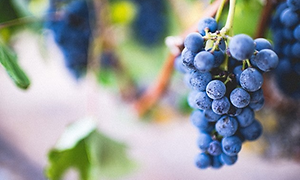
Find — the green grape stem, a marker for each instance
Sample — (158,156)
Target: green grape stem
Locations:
(220,9)
(227,29)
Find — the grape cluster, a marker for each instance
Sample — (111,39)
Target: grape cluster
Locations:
(225,76)
(151,22)
(285,28)
(70,24)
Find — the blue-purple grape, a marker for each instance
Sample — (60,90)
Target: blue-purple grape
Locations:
(231,145)
(226,126)
(241,47)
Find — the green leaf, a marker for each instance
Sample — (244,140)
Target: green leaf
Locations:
(9,61)
(90,152)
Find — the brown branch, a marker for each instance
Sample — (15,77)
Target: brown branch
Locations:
(152,95)
(265,18)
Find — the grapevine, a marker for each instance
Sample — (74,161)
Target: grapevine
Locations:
(225,73)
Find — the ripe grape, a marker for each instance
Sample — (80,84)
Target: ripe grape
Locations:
(225,78)
(241,47)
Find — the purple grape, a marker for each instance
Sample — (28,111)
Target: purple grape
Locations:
(226,126)
(251,79)
(215,89)
(209,23)
(204,61)
(194,42)
(241,47)
(239,98)
(253,131)
(266,60)
(231,145)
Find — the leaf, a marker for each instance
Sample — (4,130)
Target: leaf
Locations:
(91,153)
(9,61)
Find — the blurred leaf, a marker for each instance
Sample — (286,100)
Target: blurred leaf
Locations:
(11,10)
(91,153)
(122,12)
(247,14)
(9,61)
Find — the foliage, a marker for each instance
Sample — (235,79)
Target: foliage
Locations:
(92,153)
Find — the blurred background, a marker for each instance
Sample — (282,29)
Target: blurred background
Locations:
(73,80)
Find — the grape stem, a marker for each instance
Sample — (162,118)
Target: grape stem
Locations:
(149,98)
(220,9)
(227,29)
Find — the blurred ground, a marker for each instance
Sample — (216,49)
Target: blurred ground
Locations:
(31,122)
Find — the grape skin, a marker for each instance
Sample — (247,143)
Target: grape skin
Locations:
(253,131)
(226,126)
(246,117)
(228,160)
(215,148)
(220,106)
(197,80)
(215,89)
(262,43)
(209,23)
(296,33)
(266,60)
(204,141)
(289,18)
(294,4)
(202,161)
(241,47)
(239,98)
(194,42)
(251,80)
(231,145)
(204,61)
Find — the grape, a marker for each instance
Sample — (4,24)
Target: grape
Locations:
(256,96)
(187,57)
(204,61)
(229,160)
(209,23)
(226,126)
(231,145)
(178,65)
(289,18)
(251,80)
(262,43)
(211,116)
(296,33)
(225,94)
(202,101)
(257,105)
(241,47)
(198,80)
(219,58)
(253,131)
(151,23)
(239,98)
(296,50)
(202,161)
(294,4)
(266,60)
(237,72)
(214,148)
(194,42)
(215,89)
(204,141)
(72,33)
(220,106)
(246,117)
(198,120)
(216,162)
(191,99)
